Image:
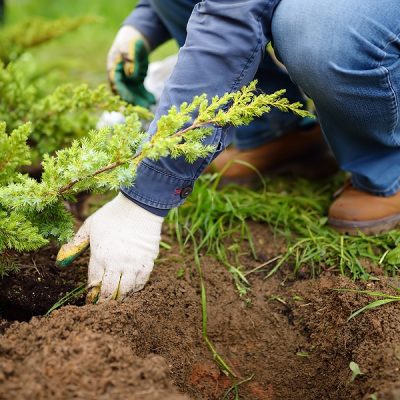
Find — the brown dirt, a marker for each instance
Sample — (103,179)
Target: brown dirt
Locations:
(291,334)
(37,285)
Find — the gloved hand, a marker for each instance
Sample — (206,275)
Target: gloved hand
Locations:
(127,64)
(124,240)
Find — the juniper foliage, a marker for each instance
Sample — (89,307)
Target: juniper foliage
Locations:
(58,118)
(14,150)
(18,38)
(32,212)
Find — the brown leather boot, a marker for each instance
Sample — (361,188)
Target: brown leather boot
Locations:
(296,145)
(354,211)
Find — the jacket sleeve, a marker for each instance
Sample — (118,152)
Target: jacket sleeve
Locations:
(147,22)
(225,44)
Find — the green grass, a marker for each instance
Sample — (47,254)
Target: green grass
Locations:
(78,291)
(8,266)
(218,359)
(296,210)
(383,298)
(216,221)
(222,364)
(78,56)
(234,389)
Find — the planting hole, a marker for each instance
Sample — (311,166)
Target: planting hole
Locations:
(37,285)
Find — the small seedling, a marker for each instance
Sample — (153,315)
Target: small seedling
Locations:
(385,299)
(303,354)
(180,272)
(247,302)
(355,371)
(69,296)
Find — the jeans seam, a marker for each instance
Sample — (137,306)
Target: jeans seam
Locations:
(396,37)
(391,88)
(395,105)
(393,188)
(258,46)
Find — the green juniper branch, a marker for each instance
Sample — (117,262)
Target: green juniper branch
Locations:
(245,106)
(18,38)
(59,117)
(108,158)
(14,150)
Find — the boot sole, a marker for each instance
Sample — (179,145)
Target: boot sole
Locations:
(372,227)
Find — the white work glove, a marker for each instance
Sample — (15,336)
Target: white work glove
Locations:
(124,241)
(127,64)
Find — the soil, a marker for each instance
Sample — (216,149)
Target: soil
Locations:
(289,334)
(38,285)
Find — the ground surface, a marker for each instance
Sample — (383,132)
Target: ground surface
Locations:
(290,334)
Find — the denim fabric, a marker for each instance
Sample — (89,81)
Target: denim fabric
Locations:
(224,47)
(344,55)
(174,16)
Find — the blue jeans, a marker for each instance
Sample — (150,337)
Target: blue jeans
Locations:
(343,54)
(346,56)
(175,15)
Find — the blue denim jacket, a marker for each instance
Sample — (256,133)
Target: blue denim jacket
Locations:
(225,44)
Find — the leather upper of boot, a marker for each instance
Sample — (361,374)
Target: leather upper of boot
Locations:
(355,205)
(296,144)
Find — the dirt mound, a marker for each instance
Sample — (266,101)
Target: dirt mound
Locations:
(291,336)
(83,365)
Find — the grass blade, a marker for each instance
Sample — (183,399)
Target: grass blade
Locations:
(371,306)
(69,296)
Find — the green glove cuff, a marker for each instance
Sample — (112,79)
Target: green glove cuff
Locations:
(131,88)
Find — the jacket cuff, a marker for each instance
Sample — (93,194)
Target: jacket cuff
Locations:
(158,190)
(156,211)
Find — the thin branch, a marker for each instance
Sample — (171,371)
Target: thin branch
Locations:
(196,124)
(116,164)
(98,172)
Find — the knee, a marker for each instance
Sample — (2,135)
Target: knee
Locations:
(319,44)
(304,48)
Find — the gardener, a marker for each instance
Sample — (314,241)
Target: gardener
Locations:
(268,143)
(344,55)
